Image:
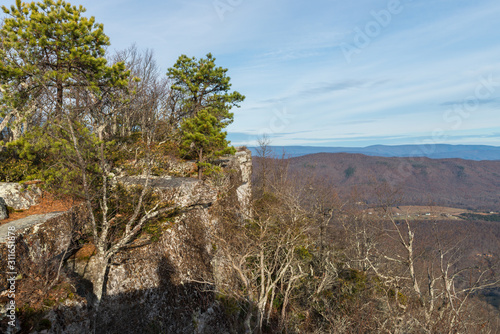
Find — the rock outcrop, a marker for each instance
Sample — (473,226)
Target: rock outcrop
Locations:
(156,285)
(38,237)
(244,191)
(19,196)
(29,227)
(184,191)
(242,163)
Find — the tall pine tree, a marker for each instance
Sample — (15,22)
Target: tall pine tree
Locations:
(206,101)
(47,49)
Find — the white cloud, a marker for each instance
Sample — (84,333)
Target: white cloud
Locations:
(285,53)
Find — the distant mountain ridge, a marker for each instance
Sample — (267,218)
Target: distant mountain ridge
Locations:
(433,151)
(458,183)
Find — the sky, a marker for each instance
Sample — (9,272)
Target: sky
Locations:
(334,73)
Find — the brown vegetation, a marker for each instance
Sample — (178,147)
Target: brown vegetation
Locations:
(420,181)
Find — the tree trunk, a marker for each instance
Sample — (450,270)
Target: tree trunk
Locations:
(200,169)
(59,98)
(59,90)
(6,121)
(16,130)
(101,266)
(248,320)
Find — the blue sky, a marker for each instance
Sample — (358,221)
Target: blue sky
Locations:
(334,73)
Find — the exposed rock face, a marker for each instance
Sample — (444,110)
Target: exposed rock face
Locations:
(153,286)
(184,191)
(70,317)
(18,196)
(4,214)
(244,161)
(41,236)
(31,243)
(29,225)
(181,168)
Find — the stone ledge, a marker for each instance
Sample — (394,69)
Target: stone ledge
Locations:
(184,191)
(21,225)
(157,181)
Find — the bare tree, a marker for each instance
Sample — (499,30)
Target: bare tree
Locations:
(264,256)
(147,93)
(430,295)
(270,254)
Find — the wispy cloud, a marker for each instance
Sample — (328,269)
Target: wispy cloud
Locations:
(494,101)
(285,54)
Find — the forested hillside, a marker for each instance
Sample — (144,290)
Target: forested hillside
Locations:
(417,181)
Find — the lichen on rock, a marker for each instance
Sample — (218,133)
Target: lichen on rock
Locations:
(19,196)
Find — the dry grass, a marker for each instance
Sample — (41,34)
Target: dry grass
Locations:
(49,203)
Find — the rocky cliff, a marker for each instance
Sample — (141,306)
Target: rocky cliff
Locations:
(156,285)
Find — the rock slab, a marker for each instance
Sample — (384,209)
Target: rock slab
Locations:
(19,196)
(21,225)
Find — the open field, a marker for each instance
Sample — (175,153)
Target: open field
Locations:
(420,212)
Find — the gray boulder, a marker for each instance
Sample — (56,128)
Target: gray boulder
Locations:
(4,214)
(18,196)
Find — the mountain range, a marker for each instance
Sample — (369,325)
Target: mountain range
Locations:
(433,151)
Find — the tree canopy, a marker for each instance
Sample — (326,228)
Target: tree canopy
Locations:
(47,50)
(203,139)
(203,85)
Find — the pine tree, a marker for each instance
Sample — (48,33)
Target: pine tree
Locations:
(204,108)
(204,140)
(48,48)
(203,86)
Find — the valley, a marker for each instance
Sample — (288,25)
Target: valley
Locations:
(464,184)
